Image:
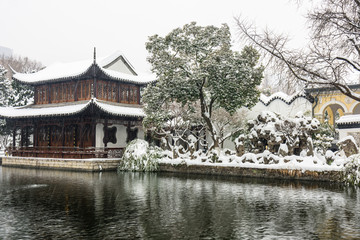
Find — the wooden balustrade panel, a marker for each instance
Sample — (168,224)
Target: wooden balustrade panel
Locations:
(65,152)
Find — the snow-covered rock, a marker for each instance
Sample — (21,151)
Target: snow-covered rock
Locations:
(280,135)
(348,145)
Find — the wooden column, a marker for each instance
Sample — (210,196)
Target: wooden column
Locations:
(36,133)
(106,133)
(138,94)
(22,136)
(75,90)
(14,137)
(93,132)
(128,94)
(118,92)
(63,137)
(36,94)
(63,133)
(128,128)
(26,136)
(49,135)
(49,93)
(81,134)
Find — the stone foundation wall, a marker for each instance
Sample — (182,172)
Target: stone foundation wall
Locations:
(96,165)
(332,176)
(92,165)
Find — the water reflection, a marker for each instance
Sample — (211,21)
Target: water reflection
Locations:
(62,205)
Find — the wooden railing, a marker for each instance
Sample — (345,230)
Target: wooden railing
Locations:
(65,152)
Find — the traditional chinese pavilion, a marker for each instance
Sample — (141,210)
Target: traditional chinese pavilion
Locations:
(87,109)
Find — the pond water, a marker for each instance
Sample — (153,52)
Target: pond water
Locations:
(45,204)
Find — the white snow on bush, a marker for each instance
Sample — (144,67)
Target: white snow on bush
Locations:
(352,170)
(265,160)
(138,156)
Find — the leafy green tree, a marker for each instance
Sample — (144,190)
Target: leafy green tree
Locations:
(5,87)
(5,93)
(14,93)
(195,65)
(21,94)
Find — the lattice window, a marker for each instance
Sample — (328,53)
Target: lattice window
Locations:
(99,90)
(105,91)
(69,135)
(114,92)
(43,136)
(71,91)
(124,92)
(39,95)
(42,95)
(109,91)
(133,94)
(61,91)
(53,93)
(87,89)
(56,136)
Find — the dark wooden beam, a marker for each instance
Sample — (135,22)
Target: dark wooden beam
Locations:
(106,138)
(14,136)
(75,89)
(36,133)
(49,93)
(138,95)
(93,132)
(118,92)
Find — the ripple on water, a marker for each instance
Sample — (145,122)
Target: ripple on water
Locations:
(63,205)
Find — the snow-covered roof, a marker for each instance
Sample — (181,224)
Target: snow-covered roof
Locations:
(120,109)
(66,109)
(288,99)
(109,60)
(349,119)
(63,71)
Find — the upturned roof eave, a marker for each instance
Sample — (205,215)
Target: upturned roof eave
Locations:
(82,109)
(39,82)
(87,71)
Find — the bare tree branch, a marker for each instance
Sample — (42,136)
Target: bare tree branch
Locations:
(331,58)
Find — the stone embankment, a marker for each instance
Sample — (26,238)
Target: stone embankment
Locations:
(96,165)
(330,176)
(91,165)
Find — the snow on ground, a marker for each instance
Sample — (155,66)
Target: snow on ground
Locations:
(264,160)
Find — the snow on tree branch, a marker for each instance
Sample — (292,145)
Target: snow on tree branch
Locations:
(330,58)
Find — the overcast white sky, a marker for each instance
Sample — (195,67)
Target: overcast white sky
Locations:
(67,30)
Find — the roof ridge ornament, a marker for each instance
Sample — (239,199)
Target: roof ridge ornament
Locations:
(93,86)
(94,55)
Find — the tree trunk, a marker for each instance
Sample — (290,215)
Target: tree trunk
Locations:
(205,114)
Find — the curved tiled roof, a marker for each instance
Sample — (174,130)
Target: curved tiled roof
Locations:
(68,109)
(349,119)
(64,71)
(126,77)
